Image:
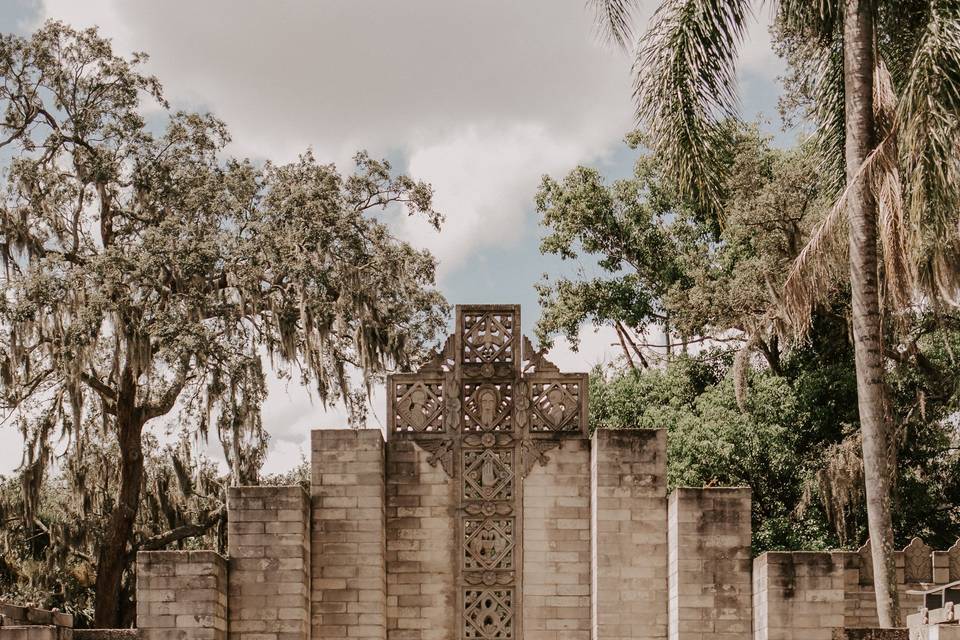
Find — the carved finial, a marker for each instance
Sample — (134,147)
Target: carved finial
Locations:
(536,360)
(437,360)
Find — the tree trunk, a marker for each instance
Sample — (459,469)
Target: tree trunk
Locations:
(858,67)
(112,559)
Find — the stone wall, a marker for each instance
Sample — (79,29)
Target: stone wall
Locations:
(709,564)
(556,545)
(269,572)
(801,595)
(181,595)
(349,584)
(629,534)
(421,590)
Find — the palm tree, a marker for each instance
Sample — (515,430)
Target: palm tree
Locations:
(885,87)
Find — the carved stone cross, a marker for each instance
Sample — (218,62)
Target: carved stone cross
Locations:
(488,408)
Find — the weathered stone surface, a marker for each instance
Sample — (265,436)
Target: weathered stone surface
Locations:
(181,594)
(269,577)
(709,564)
(629,534)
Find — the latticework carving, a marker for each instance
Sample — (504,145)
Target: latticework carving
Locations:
(488,614)
(556,406)
(488,337)
(488,474)
(488,406)
(917,562)
(418,406)
(488,544)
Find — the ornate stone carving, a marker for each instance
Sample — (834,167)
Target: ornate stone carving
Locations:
(556,406)
(917,562)
(487,407)
(488,336)
(488,544)
(441,451)
(533,452)
(488,614)
(536,361)
(417,406)
(488,474)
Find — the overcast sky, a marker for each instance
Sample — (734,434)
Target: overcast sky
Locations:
(478,98)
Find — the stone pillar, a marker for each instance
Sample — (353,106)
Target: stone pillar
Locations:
(709,564)
(797,595)
(269,538)
(421,556)
(181,595)
(556,545)
(349,567)
(629,527)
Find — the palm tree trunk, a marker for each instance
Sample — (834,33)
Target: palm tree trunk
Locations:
(858,68)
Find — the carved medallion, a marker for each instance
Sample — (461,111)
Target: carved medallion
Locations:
(488,614)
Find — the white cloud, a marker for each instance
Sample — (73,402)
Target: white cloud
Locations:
(478,98)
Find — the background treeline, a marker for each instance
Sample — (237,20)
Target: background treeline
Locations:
(689,297)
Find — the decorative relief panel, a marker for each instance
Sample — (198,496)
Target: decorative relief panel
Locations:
(488,474)
(953,560)
(556,406)
(488,406)
(488,336)
(918,562)
(488,614)
(418,406)
(488,544)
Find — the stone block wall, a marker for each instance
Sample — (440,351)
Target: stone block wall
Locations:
(800,595)
(709,564)
(181,595)
(269,569)
(629,527)
(349,584)
(420,516)
(797,596)
(556,545)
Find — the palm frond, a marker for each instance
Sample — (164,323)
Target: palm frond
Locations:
(887,190)
(928,115)
(686,88)
(614,20)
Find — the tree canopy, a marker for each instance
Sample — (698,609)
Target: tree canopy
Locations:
(146,271)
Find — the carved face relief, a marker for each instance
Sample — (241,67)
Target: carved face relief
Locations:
(488,407)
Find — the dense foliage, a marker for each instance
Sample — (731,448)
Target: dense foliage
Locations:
(146,274)
(687,298)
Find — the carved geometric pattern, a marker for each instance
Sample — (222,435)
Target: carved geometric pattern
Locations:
(488,337)
(488,474)
(488,614)
(953,555)
(556,406)
(418,407)
(488,544)
(488,406)
(918,562)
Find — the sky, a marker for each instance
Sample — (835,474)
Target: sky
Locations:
(480,99)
